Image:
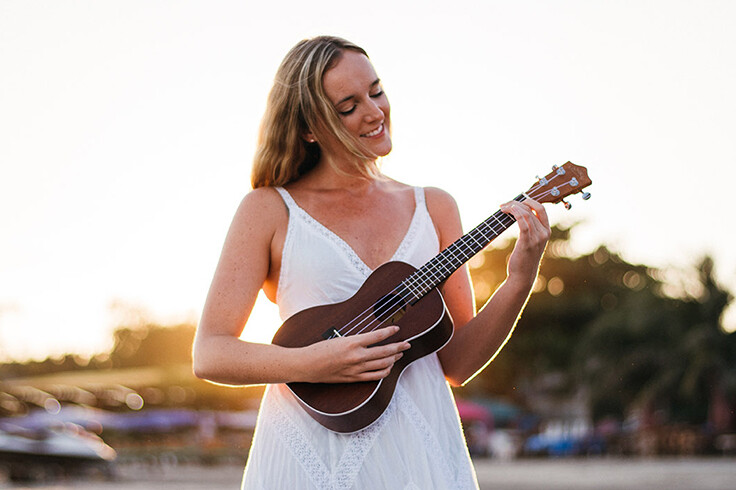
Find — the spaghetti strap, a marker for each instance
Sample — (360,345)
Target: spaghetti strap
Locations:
(419,196)
(291,204)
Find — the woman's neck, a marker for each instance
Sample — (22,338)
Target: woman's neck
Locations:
(327,175)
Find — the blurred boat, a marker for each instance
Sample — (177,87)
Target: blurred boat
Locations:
(52,451)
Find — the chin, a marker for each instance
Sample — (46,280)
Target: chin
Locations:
(384,149)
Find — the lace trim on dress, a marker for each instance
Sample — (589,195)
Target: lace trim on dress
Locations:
(299,446)
(419,208)
(360,443)
(351,461)
(431,444)
(334,238)
(406,242)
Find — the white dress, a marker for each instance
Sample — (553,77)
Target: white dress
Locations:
(416,444)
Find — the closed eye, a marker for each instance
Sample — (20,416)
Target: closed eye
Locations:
(374,85)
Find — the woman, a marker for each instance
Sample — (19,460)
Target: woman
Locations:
(321,217)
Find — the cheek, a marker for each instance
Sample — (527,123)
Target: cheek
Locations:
(352,123)
(386,108)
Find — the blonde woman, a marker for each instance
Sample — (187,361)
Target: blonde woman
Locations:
(321,217)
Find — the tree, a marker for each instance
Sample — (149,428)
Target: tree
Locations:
(664,354)
(570,293)
(599,325)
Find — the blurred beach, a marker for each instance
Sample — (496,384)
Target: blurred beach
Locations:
(524,474)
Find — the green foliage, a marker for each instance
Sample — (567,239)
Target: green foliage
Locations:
(664,354)
(605,326)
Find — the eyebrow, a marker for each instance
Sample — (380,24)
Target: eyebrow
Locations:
(376,82)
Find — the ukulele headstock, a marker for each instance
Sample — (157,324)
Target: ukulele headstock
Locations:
(561,182)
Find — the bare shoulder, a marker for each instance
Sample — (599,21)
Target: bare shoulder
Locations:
(263,199)
(262,204)
(439,198)
(260,213)
(444,212)
(441,205)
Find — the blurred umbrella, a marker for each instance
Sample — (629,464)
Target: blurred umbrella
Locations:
(502,412)
(473,412)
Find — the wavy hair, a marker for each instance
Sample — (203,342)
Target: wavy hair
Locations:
(298,104)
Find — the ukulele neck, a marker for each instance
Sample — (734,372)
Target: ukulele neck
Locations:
(437,270)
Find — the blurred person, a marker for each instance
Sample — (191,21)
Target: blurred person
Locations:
(320,218)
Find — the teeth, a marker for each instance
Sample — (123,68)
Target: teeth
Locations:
(375,132)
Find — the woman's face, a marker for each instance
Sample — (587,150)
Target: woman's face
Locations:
(356,92)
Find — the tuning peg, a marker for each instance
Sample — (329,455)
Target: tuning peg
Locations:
(567,204)
(586,196)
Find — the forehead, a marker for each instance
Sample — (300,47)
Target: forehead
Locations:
(352,74)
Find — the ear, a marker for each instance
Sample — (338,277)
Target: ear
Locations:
(308,136)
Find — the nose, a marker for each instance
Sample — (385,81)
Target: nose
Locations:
(373,111)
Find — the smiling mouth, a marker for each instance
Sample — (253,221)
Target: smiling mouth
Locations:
(375,132)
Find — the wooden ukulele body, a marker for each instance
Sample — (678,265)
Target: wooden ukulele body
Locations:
(426,324)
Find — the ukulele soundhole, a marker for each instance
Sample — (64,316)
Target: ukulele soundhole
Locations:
(389,309)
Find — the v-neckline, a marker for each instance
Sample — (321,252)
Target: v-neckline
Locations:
(342,243)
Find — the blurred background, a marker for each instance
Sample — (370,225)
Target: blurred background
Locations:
(126,135)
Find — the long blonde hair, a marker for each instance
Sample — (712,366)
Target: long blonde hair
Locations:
(298,104)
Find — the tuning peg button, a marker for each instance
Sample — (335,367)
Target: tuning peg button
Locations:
(566,204)
(586,196)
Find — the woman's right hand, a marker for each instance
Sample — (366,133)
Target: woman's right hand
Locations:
(350,359)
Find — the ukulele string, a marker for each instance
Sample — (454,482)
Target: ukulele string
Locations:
(421,284)
(374,319)
(373,315)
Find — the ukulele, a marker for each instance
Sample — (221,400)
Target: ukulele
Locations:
(398,294)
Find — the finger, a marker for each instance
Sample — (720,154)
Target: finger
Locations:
(530,216)
(373,375)
(376,336)
(380,364)
(515,208)
(386,351)
(522,214)
(538,211)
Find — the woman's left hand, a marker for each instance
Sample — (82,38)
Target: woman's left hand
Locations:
(534,233)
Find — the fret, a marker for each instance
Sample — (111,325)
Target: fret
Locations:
(437,270)
(443,265)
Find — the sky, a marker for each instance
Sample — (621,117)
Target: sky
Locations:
(127,131)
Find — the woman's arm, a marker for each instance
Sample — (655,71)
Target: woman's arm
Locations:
(245,265)
(478,338)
